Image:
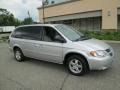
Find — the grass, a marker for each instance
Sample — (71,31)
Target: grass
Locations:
(4,36)
(4,39)
(103,35)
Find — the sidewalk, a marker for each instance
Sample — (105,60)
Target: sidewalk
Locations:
(110,41)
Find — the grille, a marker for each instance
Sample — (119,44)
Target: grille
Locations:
(109,52)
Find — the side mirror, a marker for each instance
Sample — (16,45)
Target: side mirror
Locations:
(58,38)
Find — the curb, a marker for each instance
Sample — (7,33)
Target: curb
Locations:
(109,41)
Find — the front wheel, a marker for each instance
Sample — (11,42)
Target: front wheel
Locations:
(76,65)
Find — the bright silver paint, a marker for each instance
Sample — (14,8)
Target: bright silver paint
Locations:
(56,52)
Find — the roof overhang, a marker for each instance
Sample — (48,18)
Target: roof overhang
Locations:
(75,16)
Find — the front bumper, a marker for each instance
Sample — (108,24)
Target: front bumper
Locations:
(100,63)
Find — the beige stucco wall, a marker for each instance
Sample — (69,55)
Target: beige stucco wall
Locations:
(108,7)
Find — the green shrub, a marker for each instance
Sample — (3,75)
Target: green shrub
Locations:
(103,35)
(4,39)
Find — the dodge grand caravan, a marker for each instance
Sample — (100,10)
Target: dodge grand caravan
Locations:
(61,44)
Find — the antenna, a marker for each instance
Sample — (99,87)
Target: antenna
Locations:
(28,14)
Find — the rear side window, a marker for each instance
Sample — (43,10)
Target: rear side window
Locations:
(31,33)
(17,33)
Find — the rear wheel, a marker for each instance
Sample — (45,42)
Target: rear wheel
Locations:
(76,65)
(18,55)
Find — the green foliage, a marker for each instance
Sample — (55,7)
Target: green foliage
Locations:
(45,2)
(4,39)
(8,19)
(103,35)
(27,21)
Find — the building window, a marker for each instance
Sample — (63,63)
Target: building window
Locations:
(97,21)
(118,22)
(83,24)
(67,22)
(88,24)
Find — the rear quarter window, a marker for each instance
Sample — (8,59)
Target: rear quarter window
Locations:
(16,33)
(30,33)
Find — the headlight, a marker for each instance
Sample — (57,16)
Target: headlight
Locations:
(99,53)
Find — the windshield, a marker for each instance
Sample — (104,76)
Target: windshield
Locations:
(70,32)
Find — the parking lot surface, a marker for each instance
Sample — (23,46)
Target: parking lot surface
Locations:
(38,75)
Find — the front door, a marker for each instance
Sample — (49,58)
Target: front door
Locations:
(51,48)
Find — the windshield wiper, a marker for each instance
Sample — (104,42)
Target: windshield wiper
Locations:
(82,38)
(77,39)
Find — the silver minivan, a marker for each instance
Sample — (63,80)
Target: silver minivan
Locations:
(61,44)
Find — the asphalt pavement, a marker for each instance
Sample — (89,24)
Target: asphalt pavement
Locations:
(39,75)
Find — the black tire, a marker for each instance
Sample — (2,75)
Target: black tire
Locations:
(16,51)
(82,65)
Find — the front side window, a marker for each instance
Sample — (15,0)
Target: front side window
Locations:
(51,35)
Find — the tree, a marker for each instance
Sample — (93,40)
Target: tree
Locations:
(6,18)
(45,2)
(52,2)
(17,22)
(27,21)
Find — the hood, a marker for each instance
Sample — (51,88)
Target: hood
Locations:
(95,44)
